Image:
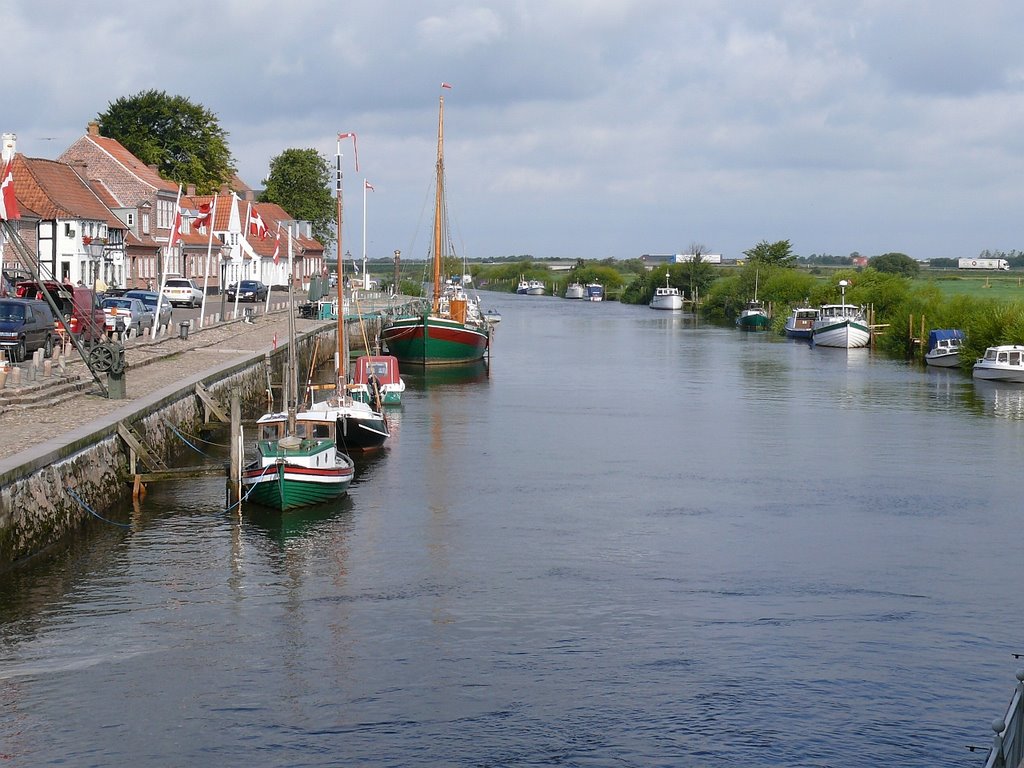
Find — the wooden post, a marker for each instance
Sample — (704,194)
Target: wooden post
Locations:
(234,476)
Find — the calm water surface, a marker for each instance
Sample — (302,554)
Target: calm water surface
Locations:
(633,540)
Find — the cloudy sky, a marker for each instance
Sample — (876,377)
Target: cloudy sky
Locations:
(581,128)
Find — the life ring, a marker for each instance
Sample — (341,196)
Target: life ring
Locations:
(974,263)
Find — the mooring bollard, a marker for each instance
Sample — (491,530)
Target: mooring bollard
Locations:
(47,368)
(15,377)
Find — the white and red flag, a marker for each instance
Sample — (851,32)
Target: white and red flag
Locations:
(8,202)
(355,146)
(446,85)
(175,228)
(277,246)
(367,185)
(257,227)
(204,217)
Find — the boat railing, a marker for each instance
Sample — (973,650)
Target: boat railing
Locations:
(1008,746)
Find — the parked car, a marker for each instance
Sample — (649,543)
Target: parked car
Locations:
(182,291)
(78,305)
(248,290)
(126,315)
(25,326)
(149,301)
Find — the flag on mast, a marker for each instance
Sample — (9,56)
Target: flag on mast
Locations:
(368,185)
(257,227)
(277,245)
(176,224)
(204,218)
(8,201)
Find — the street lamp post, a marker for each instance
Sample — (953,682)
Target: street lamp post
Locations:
(398,258)
(225,256)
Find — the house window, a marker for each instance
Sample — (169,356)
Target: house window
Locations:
(130,219)
(145,223)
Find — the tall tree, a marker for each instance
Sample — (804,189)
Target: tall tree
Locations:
(896,263)
(779,252)
(183,140)
(298,182)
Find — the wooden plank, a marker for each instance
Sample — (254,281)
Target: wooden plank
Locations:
(126,433)
(211,403)
(178,473)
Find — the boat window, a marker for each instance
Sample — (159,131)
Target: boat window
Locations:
(321,429)
(990,354)
(1015,358)
(1001,357)
(271,432)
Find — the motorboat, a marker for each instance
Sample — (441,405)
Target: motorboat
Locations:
(1001,363)
(753,317)
(492,316)
(523,287)
(944,347)
(535,288)
(841,325)
(595,292)
(800,322)
(376,380)
(575,291)
(667,297)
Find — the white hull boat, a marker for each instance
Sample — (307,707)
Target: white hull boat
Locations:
(666,297)
(1002,363)
(841,325)
(575,291)
(595,292)
(944,348)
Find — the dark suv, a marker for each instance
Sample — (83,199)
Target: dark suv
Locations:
(25,326)
(247,290)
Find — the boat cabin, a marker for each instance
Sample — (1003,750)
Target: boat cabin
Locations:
(274,426)
(384,367)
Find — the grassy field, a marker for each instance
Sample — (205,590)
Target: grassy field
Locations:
(993,285)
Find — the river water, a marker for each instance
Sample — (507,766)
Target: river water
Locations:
(632,540)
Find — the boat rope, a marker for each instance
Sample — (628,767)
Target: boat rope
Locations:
(251,487)
(92,511)
(200,439)
(174,429)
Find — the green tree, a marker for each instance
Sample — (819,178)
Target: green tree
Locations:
(895,264)
(299,182)
(183,140)
(698,273)
(779,253)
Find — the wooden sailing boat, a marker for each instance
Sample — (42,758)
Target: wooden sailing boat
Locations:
(356,425)
(753,317)
(452,330)
(296,466)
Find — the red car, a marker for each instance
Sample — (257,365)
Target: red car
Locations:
(78,304)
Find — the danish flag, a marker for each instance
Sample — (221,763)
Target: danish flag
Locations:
(8,202)
(257,228)
(203,220)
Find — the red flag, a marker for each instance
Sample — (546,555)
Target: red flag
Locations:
(8,202)
(368,185)
(277,247)
(446,85)
(204,219)
(257,228)
(175,229)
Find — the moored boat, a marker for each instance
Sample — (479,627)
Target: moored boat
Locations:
(492,316)
(575,291)
(595,292)
(841,325)
(667,297)
(535,288)
(523,287)
(1004,362)
(800,322)
(376,379)
(944,346)
(452,329)
(753,317)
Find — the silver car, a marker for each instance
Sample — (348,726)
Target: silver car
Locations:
(149,300)
(125,314)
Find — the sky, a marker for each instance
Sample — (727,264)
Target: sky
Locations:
(580,128)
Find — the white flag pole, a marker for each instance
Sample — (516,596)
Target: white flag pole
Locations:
(209,252)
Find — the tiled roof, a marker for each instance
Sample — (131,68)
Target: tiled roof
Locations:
(55,191)
(271,214)
(130,162)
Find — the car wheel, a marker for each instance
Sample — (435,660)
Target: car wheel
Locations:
(48,347)
(20,352)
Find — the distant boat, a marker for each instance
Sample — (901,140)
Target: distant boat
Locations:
(575,291)
(1001,363)
(452,330)
(535,288)
(492,316)
(667,297)
(841,325)
(753,317)
(944,346)
(523,287)
(595,292)
(800,322)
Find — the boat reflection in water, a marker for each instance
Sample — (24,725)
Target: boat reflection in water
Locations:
(281,527)
(1001,399)
(426,377)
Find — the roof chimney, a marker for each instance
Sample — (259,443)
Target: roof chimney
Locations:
(190,190)
(9,142)
(93,128)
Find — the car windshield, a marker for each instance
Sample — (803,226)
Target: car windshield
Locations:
(119,303)
(249,284)
(11,312)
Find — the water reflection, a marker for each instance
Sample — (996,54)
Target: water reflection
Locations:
(426,377)
(279,527)
(1000,399)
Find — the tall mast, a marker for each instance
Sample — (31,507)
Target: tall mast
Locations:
(438,208)
(341,321)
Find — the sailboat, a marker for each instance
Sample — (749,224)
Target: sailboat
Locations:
(452,329)
(753,317)
(296,466)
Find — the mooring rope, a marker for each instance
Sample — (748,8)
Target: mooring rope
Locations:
(184,439)
(252,487)
(92,511)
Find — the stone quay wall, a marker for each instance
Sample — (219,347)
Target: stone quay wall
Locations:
(38,504)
